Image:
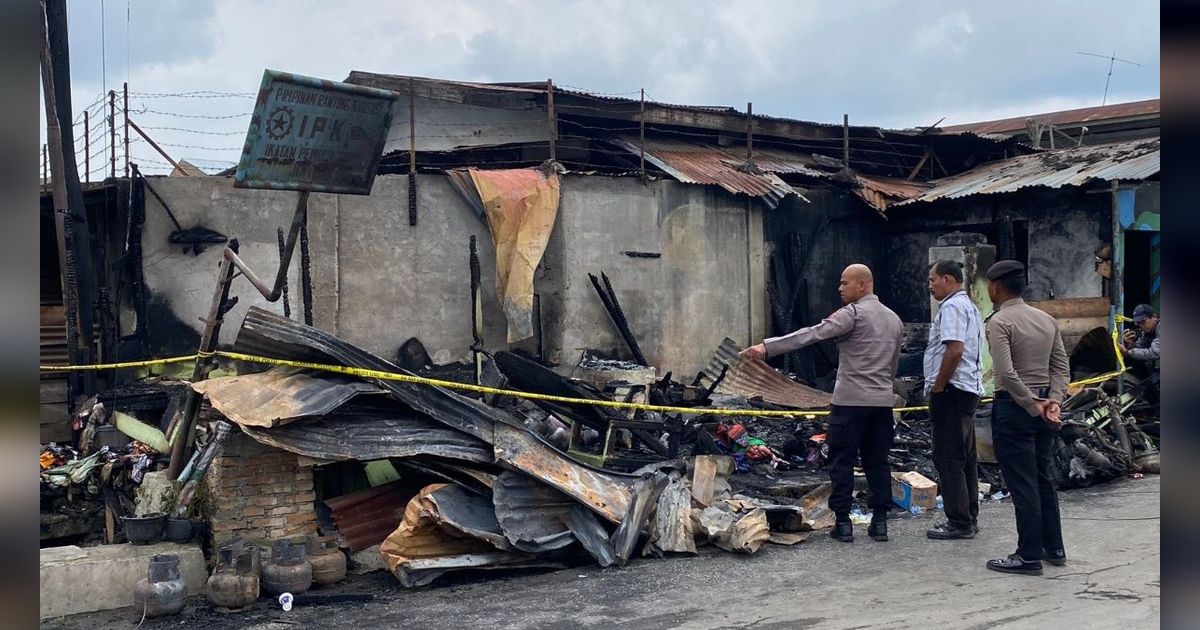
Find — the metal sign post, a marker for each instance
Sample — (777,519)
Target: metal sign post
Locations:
(307,135)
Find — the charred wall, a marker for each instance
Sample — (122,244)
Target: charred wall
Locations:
(1055,232)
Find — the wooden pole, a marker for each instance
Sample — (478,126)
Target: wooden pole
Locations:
(552,119)
(750,133)
(87,148)
(125,108)
(112,132)
(45,163)
(642,133)
(846,141)
(412,126)
(150,142)
(70,215)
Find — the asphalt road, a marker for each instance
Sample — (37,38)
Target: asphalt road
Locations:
(1111,581)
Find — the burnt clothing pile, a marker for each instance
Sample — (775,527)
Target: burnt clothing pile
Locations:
(502,482)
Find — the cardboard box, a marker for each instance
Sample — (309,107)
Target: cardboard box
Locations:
(913,488)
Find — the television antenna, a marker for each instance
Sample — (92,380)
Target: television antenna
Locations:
(1112,59)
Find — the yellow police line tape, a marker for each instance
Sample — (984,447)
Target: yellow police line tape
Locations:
(433,382)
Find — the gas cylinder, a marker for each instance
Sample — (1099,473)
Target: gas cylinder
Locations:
(328,562)
(234,583)
(288,570)
(162,592)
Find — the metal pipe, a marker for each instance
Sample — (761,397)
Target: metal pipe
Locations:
(273,293)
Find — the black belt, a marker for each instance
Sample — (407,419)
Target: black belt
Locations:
(1040,392)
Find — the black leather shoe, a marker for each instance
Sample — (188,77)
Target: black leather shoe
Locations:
(877,530)
(1015,564)
(1057,558)
(946,531)
(843,531)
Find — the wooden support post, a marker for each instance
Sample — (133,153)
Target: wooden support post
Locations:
(553,120)
(412,126)
(846,141)
(642,134)
(749,133)
(87,148)
(917,169)
(112,133)
(125,109)
(45,167)
(152,143)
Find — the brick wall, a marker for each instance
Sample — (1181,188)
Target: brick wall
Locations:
(258,493)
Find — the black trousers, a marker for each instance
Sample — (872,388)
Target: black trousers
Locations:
(952,414)
(1025,450)
(865,432)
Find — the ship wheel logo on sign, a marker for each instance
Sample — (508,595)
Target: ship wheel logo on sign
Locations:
(279,123)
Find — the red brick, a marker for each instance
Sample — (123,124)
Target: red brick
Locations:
(283,510)
(301,517)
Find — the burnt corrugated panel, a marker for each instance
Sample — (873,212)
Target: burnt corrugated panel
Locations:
(694,163)
(281,394)
(357,432)
(365,518)
(532,515)
(753,378)
(1135,160)
(267,334)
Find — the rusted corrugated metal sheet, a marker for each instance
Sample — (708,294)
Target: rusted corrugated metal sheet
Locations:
(281,394)
(1082,115)
(880,192)
(695,163)
(753,378)
(366,517)
(357,432)
(1134,160)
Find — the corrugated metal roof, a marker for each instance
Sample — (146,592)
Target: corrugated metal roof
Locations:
(696,163)
(366,517)
(358,432)
(280,394)
(1133,160)
(753,378)
(1067,117)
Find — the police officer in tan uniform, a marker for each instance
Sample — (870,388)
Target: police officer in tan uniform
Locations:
(1031,376)
(860,423)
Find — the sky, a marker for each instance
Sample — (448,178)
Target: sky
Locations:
(891,63)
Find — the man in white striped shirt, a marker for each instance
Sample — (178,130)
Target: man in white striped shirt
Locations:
(953,385)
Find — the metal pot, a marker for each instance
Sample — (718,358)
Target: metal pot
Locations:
(289,570)
(163,591)
(143,530)
(328,561)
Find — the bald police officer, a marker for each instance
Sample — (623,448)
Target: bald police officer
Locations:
(1031,373)
(860,423)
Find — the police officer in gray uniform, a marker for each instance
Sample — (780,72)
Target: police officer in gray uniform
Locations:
(1031,373)
(860,423)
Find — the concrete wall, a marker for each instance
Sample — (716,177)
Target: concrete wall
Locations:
(1065,226)
(378,280)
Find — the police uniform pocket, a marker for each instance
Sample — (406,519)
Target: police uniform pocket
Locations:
(841,432)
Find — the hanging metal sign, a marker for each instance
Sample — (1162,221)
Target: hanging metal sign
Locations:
(311,134)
